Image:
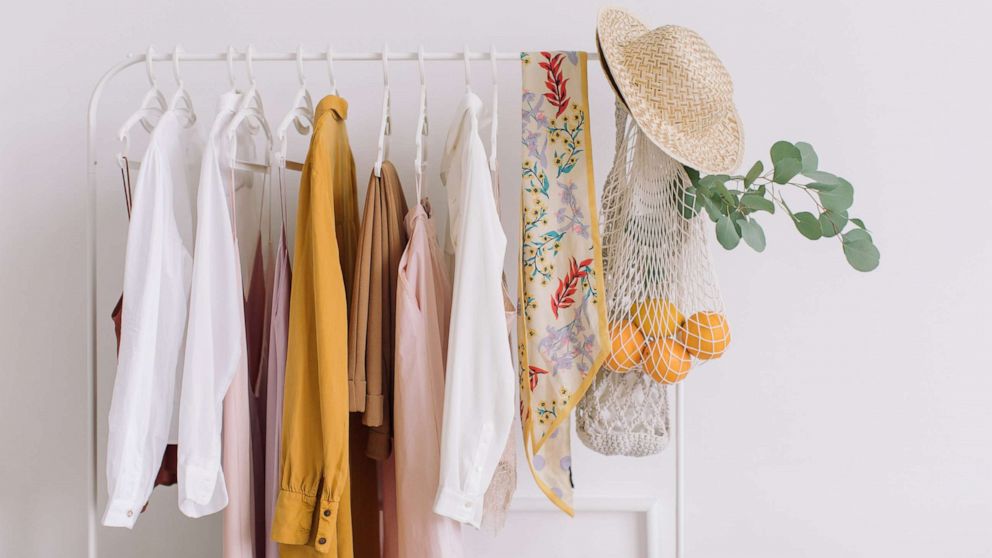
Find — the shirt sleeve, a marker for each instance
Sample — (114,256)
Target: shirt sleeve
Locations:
(156,280)
(312,504)
(215,346)
(479,382)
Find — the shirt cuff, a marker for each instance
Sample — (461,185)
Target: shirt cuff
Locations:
(294,517)
(356,396)
(121,513)
(374,407)
(459,506)
(202,490)
(378,447)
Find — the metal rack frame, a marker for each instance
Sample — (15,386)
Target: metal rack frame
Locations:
(92,163)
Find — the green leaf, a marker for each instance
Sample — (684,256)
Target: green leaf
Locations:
(726,233)
(787,160)
(860,251)
(752,233)
(823,177)
(693,175)
(840,198)
(858,222)
(754,173)
(807,156)
(712,209)
(808,225)
(832,223)
(821,187)
(754,202)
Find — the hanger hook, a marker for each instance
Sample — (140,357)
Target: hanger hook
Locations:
(330,70)
(385,65)
(175,65)
(468,69)
(420,65)
(149,54)
(230,66)
(299,65)
(249,55)
(492,61)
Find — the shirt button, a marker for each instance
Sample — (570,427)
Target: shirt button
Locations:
(327,513)
(321,540)
(130,513)
(467,505)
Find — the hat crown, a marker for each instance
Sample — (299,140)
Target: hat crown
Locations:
(681,76)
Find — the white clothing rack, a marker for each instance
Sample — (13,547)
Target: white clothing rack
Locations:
(92,162)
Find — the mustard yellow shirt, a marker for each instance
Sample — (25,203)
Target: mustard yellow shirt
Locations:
(313,509)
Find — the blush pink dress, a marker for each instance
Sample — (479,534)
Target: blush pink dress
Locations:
(423,307)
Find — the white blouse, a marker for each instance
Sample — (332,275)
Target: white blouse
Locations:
(479,380)
(157,268)
(216,349)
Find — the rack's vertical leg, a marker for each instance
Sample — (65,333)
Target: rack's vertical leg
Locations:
(91,387)
(679,470)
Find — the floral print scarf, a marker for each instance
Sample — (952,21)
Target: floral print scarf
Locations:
(562,316)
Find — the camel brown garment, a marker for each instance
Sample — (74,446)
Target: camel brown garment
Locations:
(372,322)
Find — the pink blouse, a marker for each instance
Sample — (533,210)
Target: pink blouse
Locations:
(423,306)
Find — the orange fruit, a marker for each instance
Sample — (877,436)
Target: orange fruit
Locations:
(625,346)
(666,361)
(657,317)
(705,335)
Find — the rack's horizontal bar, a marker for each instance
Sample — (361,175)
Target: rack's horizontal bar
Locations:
(321,56)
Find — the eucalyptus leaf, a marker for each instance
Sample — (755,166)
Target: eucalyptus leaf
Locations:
(840,198)
(858,234)
(860,251)
(756,202)
(726,233)
(821,187)
(753,234)
(832,223)
(712,209)
(858,222)
(787,160)
(807,156)
(754,173)
(822,177)
(808,225)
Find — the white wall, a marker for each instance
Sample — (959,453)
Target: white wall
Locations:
(851,416)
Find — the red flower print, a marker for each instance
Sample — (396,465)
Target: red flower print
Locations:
(566,287)
(534,373)
(557,93)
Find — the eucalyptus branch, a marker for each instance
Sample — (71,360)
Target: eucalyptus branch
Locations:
(734,209)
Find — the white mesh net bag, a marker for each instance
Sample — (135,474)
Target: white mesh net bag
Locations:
(665,312)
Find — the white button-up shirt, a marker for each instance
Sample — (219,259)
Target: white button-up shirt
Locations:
(480,380)
(157,268)
(216,349)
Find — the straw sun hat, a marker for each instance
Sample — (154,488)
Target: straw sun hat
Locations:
(676,89)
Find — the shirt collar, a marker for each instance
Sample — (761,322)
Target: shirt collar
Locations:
(332,103)
(228,101)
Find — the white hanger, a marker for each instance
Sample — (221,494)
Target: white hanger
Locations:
(493,131)
(330,70)
(181,101)
(468,70)
(230,68)
(250,112)
(384,127)
(152,107)
(301,115)
(420,161)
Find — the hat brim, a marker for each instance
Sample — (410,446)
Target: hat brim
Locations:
(718,149)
